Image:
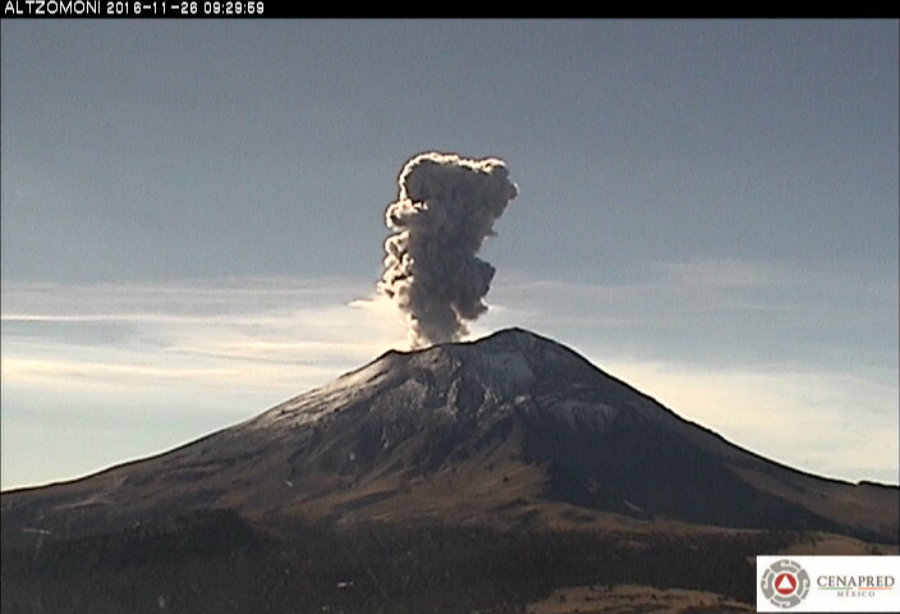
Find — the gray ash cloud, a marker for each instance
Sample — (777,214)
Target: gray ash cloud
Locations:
(446,207)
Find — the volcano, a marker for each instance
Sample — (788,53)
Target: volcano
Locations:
(513,440)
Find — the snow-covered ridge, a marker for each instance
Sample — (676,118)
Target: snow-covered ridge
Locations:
(505,365)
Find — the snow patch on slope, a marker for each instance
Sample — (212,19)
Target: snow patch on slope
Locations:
(580,414)
(313,405)
(505,373)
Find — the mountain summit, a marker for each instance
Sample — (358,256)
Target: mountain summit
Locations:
(513,428)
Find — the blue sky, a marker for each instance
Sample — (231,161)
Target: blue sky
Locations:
(192,218)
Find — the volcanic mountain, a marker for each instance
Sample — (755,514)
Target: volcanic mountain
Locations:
(510,434)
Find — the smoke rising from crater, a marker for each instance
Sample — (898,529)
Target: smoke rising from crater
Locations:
(446,207)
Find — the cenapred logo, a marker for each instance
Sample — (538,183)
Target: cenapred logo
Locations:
(827,583)
(785,583)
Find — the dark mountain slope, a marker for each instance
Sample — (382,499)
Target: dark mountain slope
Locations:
(492,431)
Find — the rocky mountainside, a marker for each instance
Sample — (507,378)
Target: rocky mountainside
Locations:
(509,430)
(504,475)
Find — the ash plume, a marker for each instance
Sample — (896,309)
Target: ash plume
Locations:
(445,209)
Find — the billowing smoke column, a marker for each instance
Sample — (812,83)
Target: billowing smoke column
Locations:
(446,207)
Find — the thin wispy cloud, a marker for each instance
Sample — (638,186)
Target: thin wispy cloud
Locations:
(256,335)
(749,349)
(732,297)
(161,364)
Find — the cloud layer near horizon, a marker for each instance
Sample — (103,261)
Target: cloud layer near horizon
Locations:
(747,349)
